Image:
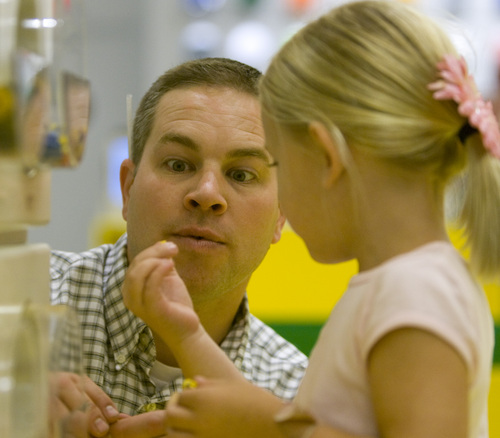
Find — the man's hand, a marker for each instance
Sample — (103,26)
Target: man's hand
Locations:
(154,292)
(79,408)
(147,425)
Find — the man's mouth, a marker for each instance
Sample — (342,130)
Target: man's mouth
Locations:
(199,234)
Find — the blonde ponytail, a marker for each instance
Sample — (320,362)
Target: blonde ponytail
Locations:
(480,215)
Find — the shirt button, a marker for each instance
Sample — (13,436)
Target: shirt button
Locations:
(150,407)
(121,359)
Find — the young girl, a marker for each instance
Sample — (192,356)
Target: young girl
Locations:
(369,113)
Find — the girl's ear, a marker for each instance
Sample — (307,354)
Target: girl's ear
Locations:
(323,139)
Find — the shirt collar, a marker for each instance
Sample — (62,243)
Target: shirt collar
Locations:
(124,328)
(236,342)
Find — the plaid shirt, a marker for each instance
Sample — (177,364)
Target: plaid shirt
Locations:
(118,347)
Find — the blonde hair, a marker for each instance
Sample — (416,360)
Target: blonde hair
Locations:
(362,70)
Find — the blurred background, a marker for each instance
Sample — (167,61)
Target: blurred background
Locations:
(129,43)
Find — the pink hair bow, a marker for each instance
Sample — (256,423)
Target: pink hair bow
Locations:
(456,84)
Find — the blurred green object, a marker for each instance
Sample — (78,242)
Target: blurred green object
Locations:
(496,353)
(304,336)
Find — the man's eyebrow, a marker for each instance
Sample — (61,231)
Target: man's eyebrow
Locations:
(179,139)
(184,140)
(250,152)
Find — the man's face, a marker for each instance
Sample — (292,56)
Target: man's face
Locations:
(204,183)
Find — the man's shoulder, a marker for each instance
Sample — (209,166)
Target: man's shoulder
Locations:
(77,278)
(95,259)
(62,261)
(272,362)
(267,341)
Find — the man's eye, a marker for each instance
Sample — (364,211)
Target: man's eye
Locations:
(241,175)
(178,165)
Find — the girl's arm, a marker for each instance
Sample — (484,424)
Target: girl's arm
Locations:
(419,386)
(419,389)
(224,409)
(418,382)
(154,292)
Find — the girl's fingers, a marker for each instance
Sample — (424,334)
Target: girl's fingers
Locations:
(153,283)
(179,418)
(146,273)
(161,249)
(136,279)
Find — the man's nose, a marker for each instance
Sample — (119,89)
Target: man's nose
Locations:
(206,194)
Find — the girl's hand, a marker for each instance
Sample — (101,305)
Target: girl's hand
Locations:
(154,292)
(223,408)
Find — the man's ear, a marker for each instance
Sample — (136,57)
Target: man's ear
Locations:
(323,139)
(280,223)
(127,173)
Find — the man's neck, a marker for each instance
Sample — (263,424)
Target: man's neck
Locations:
(217,319)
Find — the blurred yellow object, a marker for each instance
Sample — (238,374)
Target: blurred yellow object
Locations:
(106,228)
(295,295)
(494,403)
(291,286)
(189,384)
(492,290)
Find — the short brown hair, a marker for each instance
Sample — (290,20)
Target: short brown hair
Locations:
(217,72)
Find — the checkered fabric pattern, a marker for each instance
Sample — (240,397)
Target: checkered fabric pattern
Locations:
(118,348)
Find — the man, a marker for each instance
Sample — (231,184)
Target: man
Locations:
(199,176)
